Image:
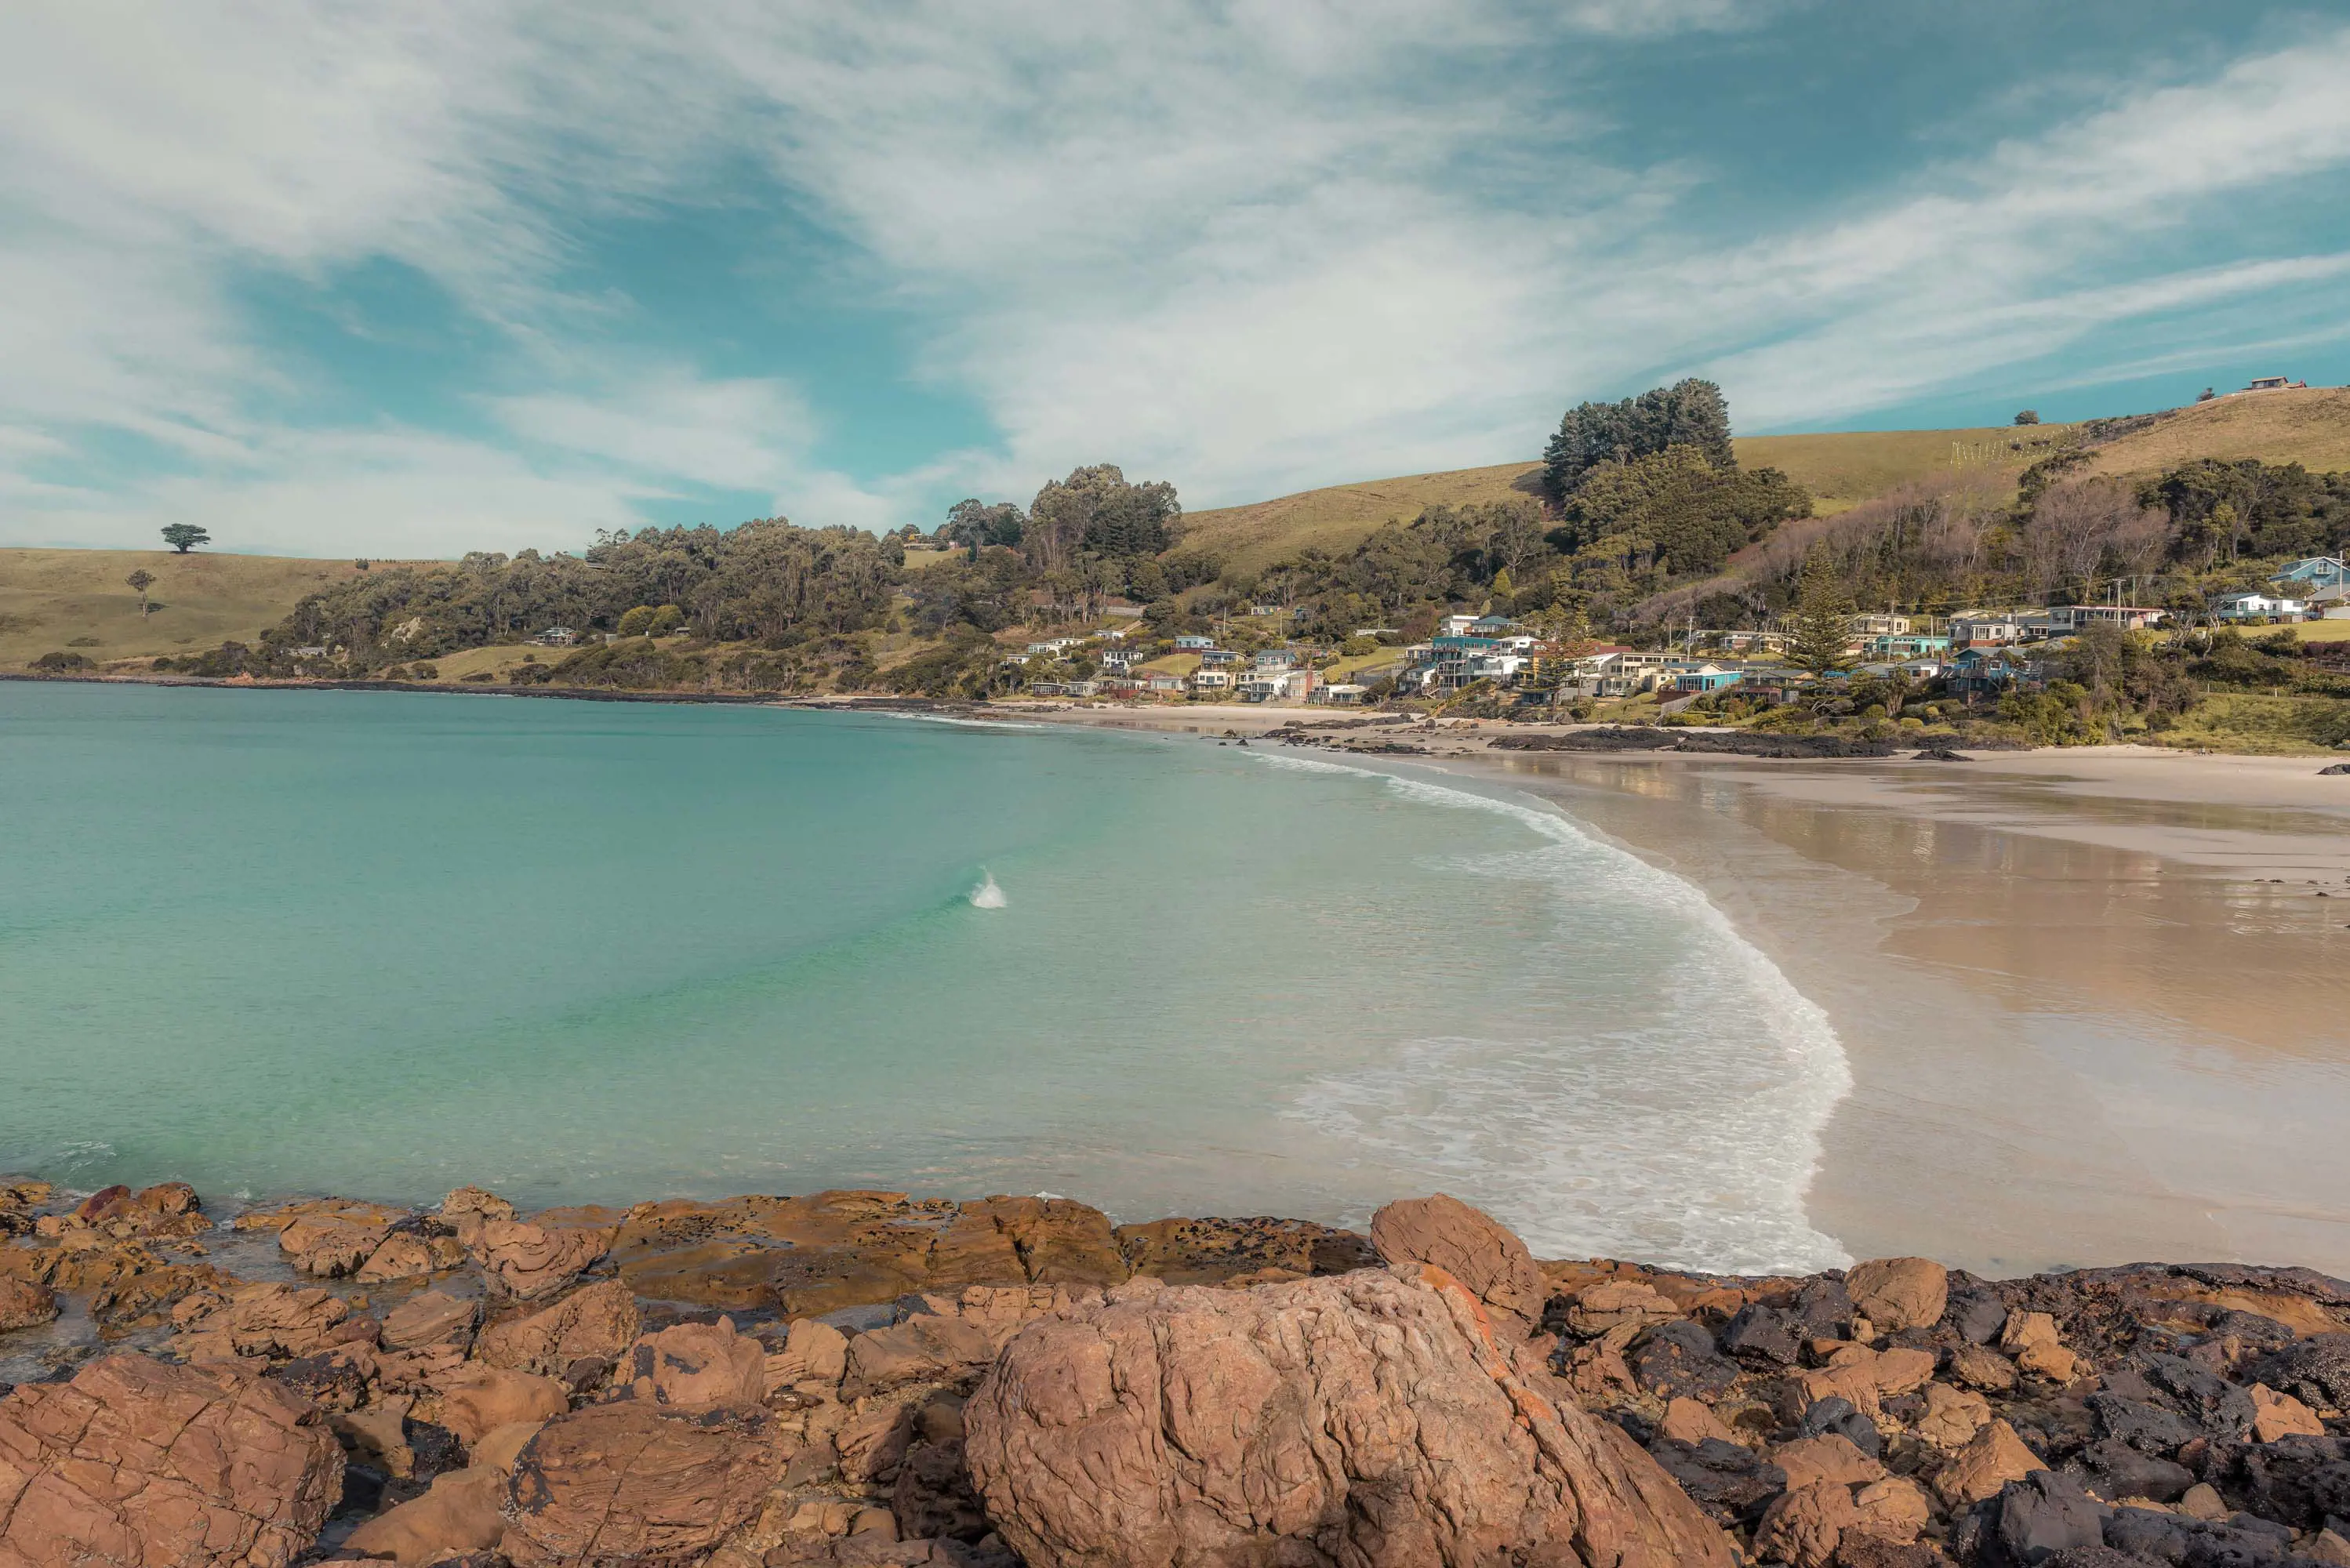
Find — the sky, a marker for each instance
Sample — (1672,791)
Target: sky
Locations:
(410,280)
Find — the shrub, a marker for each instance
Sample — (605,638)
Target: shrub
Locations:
(58,662)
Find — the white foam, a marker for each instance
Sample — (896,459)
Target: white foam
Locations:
(1689,1136)
(987,895)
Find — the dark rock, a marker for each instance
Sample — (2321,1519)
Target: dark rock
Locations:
(1732,1482)
(2150,1429)
(2220,1408)
(932,1497)
(2046,1513)
(1859,1550)
(1835,1415)
(1761,1335)
(2168,1538)
(2316,1371)
(1677,1360)
(1977,1314)
(2264,1333)
(1824,1309)
(1942,754)
(2117,1471)
(2093,1557)
(330,1382)
(2297,1482)
(362,1491)
(2334,768)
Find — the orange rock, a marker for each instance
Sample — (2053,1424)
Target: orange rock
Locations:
(1894,1508)
(1895,1293)
(630,1482)
(1688,1421)
(600,1320)
(1803,1525)
(1995,1457)
(1472,1247)
(24,1303)
(2276,1416)
(1952,1417)
(476,1400)
(136,1461)
(459,1513)
(1830,1457)
(528,1260)
(701,1365)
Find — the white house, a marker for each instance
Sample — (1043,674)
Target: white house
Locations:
(1988,630)
(1213,680)
(1054,647)
(2257,606)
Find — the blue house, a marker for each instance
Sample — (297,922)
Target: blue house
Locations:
(2316,572)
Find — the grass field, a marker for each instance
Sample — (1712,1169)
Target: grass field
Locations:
(1840,469)
(2322,630)
(77,600)
(2311,427)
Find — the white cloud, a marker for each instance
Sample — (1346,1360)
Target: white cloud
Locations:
(1249,247)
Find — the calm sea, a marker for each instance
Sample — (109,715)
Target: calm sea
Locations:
(381,944)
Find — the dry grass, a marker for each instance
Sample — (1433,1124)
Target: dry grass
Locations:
(1841,470)
(2309,427)
(51,599)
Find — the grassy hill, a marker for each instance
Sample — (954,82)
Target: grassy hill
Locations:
(2310,426)
(1841,470)
(77,600)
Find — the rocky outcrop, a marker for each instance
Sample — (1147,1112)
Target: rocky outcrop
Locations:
(327,1238)
(1471,1246)
(630,1482)
(135,1461)
(1240,1251)
(599,1321)
(269,1322)
(1895,1293)
(1369,1419)
(699,1366)
(24,1302)
(528,1260)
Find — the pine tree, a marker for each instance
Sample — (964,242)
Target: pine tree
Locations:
(1822,624)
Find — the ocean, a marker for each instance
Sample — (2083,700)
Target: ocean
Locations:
(381,944)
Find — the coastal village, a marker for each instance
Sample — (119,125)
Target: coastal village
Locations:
(1970,655)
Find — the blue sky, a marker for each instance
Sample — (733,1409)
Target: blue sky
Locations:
(409,280)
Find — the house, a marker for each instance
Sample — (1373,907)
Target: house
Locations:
(2248,607)
(1215,681)
(1221,659)
(1119,686)
(1708,677)
(1054,647)
(1344,694)
(1455,625)
(1911,646)
(2129,618)
(1745,641)
(1190,644)
(2314,573)
(1277,685)
(1162,683)
(1491,626)
(1880,625)
(1119,661)
(1989,671)
(1988,630)
(2273,384)
(1277,658)
(557,636)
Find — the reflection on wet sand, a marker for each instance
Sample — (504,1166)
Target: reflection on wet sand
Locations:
(2083,1028)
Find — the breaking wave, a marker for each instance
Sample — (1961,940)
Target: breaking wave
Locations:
(1680,1121)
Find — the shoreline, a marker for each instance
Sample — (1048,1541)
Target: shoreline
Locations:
(2086,995)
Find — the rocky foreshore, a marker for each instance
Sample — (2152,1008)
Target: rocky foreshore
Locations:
(861,1377)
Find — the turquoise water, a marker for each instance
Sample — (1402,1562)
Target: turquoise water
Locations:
(385,943)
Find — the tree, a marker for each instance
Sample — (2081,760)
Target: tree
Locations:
(1688,413)
(1095,511)
(184,536)
(1821,625)
(2028,417)
(971,523)
(141,581)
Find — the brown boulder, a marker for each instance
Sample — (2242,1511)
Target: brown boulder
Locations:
(599,1321)
(1895,1293)
(528,1260)
(1210,1252)
(1978,1367)
(326,1238)
(1365,1418)
(1995,1457)
(1473,1247)
(630,1482)
(1831,1456)
(1894,1508)
(924,1347)
(137,1462)
(476,1400)
(407,1255)
(1952,1417)
(464,1210)
(699,1366)
(24,1303)
(431,1317)
(1689,1421)
(2276,1416)
(274,1321)
(460,1512)
(1618,1307)
(814,1357)
(1803,1525)
(167,1212)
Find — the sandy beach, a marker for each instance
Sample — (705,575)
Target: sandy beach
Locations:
(2096,1000)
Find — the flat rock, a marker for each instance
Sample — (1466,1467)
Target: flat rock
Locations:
(137,1462)
(599,1320)
(1212,1251)
(1360,1418)
(630,1481)
(431,1317)
(1895,1293)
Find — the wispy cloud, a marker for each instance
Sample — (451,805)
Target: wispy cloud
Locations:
(1249,246)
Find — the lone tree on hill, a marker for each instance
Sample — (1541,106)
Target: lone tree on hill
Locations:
(184,536)
(141,581)
(1822,624)
(2028,417)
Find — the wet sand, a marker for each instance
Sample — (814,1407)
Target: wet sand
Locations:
(2096,1007)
